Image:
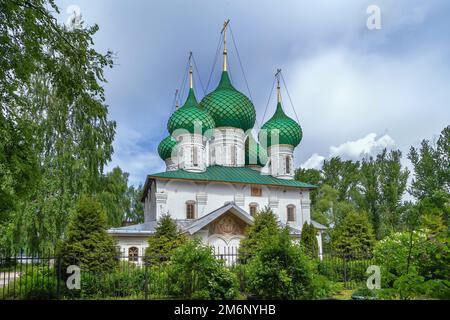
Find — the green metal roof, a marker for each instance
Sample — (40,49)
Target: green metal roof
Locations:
(189,116)
(166,146)
(289,131)
(239,175)
(229,107)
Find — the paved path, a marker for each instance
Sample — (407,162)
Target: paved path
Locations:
(6,277)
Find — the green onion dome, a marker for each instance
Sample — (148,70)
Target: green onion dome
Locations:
(166,146)
(229,107)
(190,115)
(254,151)
(289,131)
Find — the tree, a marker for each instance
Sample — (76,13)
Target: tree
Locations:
(87,243)
(265,225)
(136,213)
(353,236)
(431,166)
(280,270)
(392,180)
(114,196)
(166,239)
(342,176)
(311,176)
(52,109)
(308,240)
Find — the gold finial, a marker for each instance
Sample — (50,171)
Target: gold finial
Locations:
(191,84)
(278,85)
(224,31)
(177,105)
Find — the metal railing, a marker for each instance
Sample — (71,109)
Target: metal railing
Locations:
(140,277)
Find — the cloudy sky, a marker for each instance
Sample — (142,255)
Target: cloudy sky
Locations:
(354,90)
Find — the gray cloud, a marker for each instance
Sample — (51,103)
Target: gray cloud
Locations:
(345,81)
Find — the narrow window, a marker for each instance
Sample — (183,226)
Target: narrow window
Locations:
(253,209)
(195,156)
(133,254)
(288,165)
(190,210)
(290,213)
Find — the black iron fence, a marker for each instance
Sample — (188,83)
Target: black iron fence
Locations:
(139,277)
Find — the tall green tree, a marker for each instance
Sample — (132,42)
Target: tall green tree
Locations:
(353,236)
(431,164)
(312,176)
(51,96)
(392,181)
(308,240)
(114,196)
(136,213)
(342,176)
(86,242)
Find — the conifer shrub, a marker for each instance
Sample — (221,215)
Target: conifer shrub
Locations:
(308,240)
(86,242)
(166,239)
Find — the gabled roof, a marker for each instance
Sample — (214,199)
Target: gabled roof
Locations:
(210,217)
(237,175)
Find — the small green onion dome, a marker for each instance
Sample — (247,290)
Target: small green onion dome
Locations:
(289,131)
(166,146)
(190,115)
(254,151)
(229,107)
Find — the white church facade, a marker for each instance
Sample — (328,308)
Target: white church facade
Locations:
(218,176)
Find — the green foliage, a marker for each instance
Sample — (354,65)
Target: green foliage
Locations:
(166,239)
(431,166)
(114,196)
(86,243)
(280,270)
(311,176)
(402,253)
(264,226)
(308,240)
(136,213)
(194,273)
(342,176)
(55,137)
(353,236)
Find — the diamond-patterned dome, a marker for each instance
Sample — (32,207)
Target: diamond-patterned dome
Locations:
(254,152)
(289,131)
(189,116)
(166,146)
(229,107)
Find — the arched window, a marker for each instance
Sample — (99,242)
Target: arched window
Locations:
(288,165)
(291,213)
(253,209)
(133,254)
(190,210)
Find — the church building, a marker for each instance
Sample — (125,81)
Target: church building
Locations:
(218,176)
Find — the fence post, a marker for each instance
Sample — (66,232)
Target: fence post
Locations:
(146,277)
(58,278)
(344,261)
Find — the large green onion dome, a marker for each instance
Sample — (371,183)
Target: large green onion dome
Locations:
(190,115)
(229,107)
(254,151)
(166,146)
(289,131)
